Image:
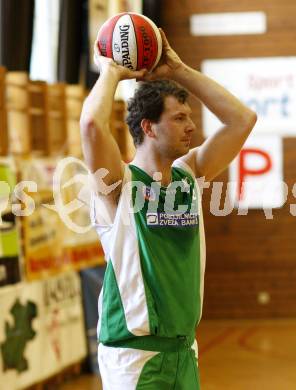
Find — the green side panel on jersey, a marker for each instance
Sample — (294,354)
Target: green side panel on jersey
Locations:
(173,370)
(170,259)
(154,374)
(113,323)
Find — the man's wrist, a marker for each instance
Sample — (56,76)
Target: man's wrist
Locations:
(112,70)
(181,72)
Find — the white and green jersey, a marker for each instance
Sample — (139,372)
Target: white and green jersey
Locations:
(155,252)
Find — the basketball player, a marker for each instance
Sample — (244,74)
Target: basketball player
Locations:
(149,218)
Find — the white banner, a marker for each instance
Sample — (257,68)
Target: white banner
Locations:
(228,23)
(41,330)
(64,333)
(256,175)
(267,85)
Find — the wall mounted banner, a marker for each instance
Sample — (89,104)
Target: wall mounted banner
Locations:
(256,175)
(266,85)
(83,248)
(228,23)
(43,230)
(41,330)
(50,246)
(64,341)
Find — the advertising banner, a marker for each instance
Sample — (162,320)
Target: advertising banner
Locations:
(266,85)
(257,174)
(41,330)
(42,229)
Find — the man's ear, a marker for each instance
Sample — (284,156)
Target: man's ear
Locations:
(147,127)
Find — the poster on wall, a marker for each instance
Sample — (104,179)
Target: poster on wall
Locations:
(41,330)
(266,85)
(81,240)
(56,239)
(42,228)
(256,174)
(63,323)
(21,343)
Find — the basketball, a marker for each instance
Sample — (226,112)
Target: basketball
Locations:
(131,40)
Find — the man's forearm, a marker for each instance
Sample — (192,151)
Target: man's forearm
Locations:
(98,105)
(221,102)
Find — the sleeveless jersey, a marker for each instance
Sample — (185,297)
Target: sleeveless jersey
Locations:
(155,253)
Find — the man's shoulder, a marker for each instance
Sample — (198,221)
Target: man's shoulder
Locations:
(183,168)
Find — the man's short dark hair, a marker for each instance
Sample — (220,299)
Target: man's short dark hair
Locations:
(148,103)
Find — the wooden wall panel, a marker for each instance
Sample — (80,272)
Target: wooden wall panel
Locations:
(249,258)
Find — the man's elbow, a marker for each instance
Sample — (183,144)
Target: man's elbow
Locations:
(86,124)
(249,120)
(89,127)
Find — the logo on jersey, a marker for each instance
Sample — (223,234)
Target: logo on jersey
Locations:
(149,193)
(152,219)
(177,220)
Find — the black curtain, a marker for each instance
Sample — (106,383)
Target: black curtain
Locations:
(16,29)
(152,9)
(90,76)
(72,18)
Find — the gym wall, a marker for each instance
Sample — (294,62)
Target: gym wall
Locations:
(249,259)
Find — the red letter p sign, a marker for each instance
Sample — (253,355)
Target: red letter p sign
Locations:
(256,175)
(245,171)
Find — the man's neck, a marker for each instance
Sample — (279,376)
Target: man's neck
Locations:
(151,163)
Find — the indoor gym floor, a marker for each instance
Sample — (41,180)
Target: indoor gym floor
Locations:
(237,355)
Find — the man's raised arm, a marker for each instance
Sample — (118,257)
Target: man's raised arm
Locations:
(238,120)
(215,154)
(100,149)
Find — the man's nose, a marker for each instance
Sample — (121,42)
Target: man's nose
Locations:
(190,127)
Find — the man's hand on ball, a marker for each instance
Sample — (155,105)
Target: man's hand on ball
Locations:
(105,64)
(169,62)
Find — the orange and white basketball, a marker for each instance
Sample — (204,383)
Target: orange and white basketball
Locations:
(131,40)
